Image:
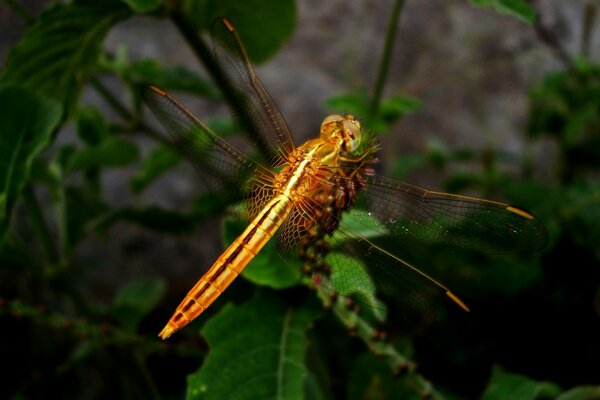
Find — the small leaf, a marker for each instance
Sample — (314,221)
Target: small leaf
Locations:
(268,268)
(28,121)
(160,160)
(136,300)
(516,8)
(60,50)
(349,277)
(155,218)
(355,103)
(507,386)
(91,126)
(257,351)
(113,152)
(143,6)
(176,78)
(396,106)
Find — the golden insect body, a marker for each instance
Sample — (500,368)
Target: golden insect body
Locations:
(293,186)
(316,184)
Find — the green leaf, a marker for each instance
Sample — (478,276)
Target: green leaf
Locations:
(395,106)
(143,6)
(581,393)
(136,300)
(28,121)
(264,26)
(268,268)
(59,51)
(361,223)
(257,351)
(81,207)
(160,160)
(113,152)
(516,8)
(91,126)
(507,386)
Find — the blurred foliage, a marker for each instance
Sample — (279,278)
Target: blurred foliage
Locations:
(532,335)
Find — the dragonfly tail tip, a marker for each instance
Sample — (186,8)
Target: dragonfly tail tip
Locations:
(458,301)
(166,332)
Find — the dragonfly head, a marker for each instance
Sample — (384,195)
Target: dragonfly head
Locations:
(341,129)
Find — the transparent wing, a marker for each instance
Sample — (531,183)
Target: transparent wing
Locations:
(220,165)
(398,215)
(249,101)
(407,211)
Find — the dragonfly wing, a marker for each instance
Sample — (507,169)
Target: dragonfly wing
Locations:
(249,101)
(220,165)
(407,211)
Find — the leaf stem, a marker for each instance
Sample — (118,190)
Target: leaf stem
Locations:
(384,62)
(40,227)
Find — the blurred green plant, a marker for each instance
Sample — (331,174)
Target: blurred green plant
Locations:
(270,344)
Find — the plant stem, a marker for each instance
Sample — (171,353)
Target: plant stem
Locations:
(63,225)
(589,18)
(239,109)
(384,62)
(110,99)
(19,9)
(40,227)
(549,39)
(125,113)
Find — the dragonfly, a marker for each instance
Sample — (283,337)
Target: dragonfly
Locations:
(299,196)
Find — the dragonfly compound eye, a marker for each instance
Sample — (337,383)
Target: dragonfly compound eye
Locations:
(351,135)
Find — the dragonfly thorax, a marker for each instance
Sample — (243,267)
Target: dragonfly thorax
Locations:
(345,130)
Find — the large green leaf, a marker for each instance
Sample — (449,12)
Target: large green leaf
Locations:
(257,351)
(264,26)
(60,50)
(112,152)
(27,123)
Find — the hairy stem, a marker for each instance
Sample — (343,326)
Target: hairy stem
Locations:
(40,227)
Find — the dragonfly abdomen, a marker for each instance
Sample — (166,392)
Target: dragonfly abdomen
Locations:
(230,264)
